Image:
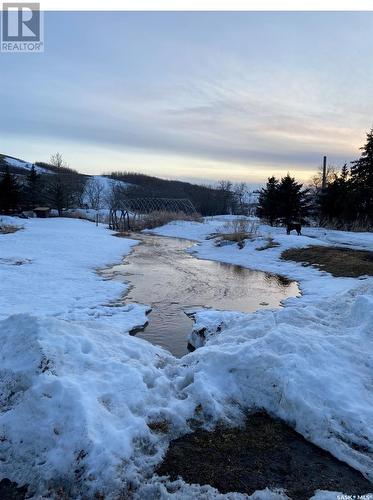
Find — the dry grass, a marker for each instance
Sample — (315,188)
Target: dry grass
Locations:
(335,260)
(271,243)
(262,452)
(160,218)
(360,226)
(160,426)
(241,226)
(8,228)
(235,237)
(237,231)
(77,214)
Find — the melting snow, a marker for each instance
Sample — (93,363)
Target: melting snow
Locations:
(78,392)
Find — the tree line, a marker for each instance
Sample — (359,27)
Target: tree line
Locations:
(346,202)
(223,198)
(64,188)
(348,198)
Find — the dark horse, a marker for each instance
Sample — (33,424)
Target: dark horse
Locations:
(293,225)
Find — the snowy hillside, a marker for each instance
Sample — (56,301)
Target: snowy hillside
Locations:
(21,164)
(97,187)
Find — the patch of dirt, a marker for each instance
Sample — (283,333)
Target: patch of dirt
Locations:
(9,229)
(122,234)
(264,453)
(159,426)
(335,260)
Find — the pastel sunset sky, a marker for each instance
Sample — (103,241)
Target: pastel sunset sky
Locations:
(196,96)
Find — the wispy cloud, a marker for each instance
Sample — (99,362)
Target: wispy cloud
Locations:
(245,102)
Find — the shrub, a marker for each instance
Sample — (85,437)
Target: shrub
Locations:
(236,231)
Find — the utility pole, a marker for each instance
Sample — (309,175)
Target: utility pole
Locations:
(324,174)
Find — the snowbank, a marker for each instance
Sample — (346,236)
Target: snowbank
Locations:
(309,365)
(160,489)
(75,404)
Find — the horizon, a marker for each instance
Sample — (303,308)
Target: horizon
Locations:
(192,96)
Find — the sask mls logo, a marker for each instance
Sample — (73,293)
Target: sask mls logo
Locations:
(21,27)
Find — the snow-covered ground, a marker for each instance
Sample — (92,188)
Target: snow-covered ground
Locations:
(15,162)
(47,268)
(78,392)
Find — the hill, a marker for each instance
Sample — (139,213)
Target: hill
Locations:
(68,188)
(18,166)
(208,200)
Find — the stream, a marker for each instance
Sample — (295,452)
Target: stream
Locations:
(172,282)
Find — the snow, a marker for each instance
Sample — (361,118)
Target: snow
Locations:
(74,400)
(313,282)
(47,268)
(310,363)
(159,488)
(106,183)
(78,392)
(15,162)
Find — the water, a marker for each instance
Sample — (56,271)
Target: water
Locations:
(162,275)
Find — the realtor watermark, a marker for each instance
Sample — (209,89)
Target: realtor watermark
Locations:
(22,27)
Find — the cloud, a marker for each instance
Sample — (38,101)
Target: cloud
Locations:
(244,95)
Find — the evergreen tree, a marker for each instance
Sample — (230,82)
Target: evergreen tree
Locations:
(268,201)
(32,187)
(293,203)
(362,179)
(336,202)
(57,193)
(345,173)
(9,192)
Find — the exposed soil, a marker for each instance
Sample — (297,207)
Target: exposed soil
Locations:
(264,453)
(335,260)
(8,229)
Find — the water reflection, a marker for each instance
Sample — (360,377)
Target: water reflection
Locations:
(171,281)
(281,281)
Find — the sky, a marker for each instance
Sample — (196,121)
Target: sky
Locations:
(195,96)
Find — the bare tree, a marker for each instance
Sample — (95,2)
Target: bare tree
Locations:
(65,187)
(57,161)
(116,195)
(94,193)
(227,197)
(240,192)
(315,182)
